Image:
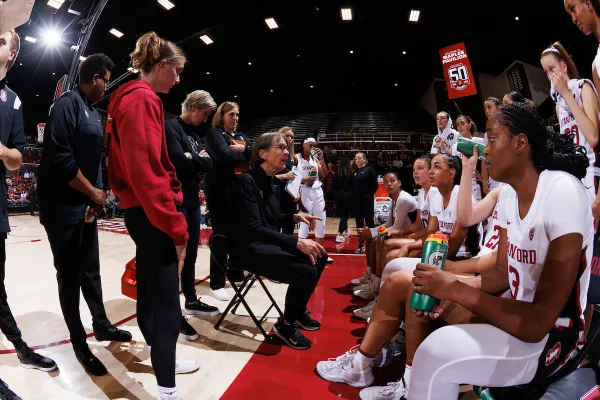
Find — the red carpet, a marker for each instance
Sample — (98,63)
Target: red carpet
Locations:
(276,371)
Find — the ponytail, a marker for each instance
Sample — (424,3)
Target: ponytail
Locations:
(550,151)
(558,50)
(150,49)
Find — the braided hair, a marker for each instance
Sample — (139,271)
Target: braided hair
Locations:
(550,151)
(454,163)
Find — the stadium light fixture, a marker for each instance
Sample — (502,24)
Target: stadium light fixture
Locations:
(30,39)
(117,33)
(249,62)
(52,37)
(166,4)
(347,14)
(206,39)
(55,3)
(516,18)
(414,15)
(271,23)
(82,58)
(404,52)
(351,51)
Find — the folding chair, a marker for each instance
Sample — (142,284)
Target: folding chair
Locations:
(220,255)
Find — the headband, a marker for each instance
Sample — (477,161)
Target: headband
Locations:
(552,49)
(309,140)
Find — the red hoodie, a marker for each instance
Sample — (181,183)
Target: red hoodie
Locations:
(139,170)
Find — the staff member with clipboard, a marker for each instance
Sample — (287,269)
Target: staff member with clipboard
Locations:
(230,151)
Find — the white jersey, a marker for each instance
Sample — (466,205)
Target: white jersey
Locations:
(556,210)
(398,216)
(492,235)
(447,216)
(304,166)
(568,125)
(423,205)
(493,184)
(449,137)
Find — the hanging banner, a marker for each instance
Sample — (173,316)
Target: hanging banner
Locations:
(457,71)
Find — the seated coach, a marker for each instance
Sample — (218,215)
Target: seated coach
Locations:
(269,253)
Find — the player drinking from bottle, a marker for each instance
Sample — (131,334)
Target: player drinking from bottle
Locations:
(543,271)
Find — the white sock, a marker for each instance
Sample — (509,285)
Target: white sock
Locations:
(407,372)
(168,393)
(361,361)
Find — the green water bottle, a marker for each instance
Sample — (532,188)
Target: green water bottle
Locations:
(465,146)
(313,172)
(485,394)
(435,251)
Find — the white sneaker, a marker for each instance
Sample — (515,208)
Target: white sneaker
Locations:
(220,294)
(362,280)
(393,391)
(329,260)
(342,370)
(369,292)
(340,238)
(185,365)
(366,311)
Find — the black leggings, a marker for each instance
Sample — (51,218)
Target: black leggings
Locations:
(294,269)
(343,208)
(158,310)
(364,212)
(188,274)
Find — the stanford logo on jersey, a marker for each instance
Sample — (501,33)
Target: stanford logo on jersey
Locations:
(553,354)
(531,233)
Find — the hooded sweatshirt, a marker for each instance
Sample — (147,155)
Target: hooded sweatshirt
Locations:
(139,170)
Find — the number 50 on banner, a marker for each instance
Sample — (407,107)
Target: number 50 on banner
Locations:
(457,71)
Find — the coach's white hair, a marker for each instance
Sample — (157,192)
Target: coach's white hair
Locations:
(201,98)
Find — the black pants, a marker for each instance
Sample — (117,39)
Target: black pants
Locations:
(8,325)
(364,212)
(343,209)
(294,269)
(77,263)
(158,310)
(32,203)
(188,275)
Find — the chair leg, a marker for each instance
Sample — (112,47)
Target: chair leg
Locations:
(234,301)
(273,302)
(256,321)
(246,286)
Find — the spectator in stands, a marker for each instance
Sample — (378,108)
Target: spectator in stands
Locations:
(516,97)
(70,191)
(363,196)
(446,136)
(342,186)
(541,309)
(491,106)
(289,205)
(32,197)
(26,174)
(230,151)
(141,174)
(189,160)
(264,250)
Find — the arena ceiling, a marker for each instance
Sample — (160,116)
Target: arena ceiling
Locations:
(306,64)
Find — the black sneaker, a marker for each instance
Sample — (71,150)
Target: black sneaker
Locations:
(112,334)
(90,362)
(360,249)
(305,322)
(31,359)
(199,308)
(6,393)
(290,334)
(186,331)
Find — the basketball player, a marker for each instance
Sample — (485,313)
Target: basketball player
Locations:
(289,205)
(491,106)
(522,331)
(12,142)
(467,128)
(576,106)
(516,97)
(311,190)
(446,136)
(70,183)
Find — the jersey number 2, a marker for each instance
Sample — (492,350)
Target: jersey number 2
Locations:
(493,242)
(514,285)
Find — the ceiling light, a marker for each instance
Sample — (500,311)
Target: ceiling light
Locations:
(271,23)
(82,58)
(351,51)
(249,63)
(271,90)
(298,55)
(235,95)
(207,73)
(30,39)
(206,39)
(37,95)
(311,86)
(116,33)
(404,52)
(54,73)
(166,4)
(52,37)
(20,63)
(414,15)
(347,14)
(516,18)
(55,3)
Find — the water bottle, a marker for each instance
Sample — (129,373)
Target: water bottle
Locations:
(485,394)
(382,233)
(435,251)
(313,172)
(465,146)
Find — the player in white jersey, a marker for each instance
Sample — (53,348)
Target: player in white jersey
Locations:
(576,107)
(490,106)
(466,128)
(446,136)
(491,340)
(311,191)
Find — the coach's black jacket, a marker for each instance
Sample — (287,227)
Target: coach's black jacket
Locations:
(73,142)
(13,137)
(182,138)
(258,204)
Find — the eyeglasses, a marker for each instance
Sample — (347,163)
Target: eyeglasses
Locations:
(106,80)
(282,148)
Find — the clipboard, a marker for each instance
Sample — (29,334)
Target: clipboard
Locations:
(293,186)
(14,13)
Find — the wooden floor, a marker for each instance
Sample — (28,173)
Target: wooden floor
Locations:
(33,297)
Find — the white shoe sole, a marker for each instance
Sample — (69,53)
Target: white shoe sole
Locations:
(306,328)
(218,297)
(189,338)
(31,366)
(183,372)
(203,313)
(340,379)
(280,336)
(359,314)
